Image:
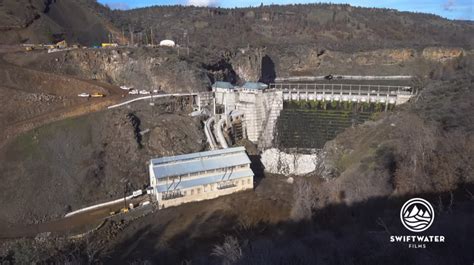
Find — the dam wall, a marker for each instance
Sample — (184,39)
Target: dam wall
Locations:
(306,115)
(261,111)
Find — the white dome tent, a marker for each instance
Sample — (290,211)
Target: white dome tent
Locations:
(167,43)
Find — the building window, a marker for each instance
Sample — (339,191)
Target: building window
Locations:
(171,195)
(192,192)
(243,182)
(199,190)
(248,181)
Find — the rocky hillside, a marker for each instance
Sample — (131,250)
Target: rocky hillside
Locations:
(76,162)
(46,21)
(143,68)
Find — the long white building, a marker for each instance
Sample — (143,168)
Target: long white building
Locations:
(200,176)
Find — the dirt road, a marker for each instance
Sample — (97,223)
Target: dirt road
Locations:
(76,224)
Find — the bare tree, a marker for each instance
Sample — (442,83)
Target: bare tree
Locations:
(230,251)
(417,142)
(304,200)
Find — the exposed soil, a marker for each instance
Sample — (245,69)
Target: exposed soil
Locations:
(31,98)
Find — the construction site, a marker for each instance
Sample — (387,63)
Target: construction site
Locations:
(154,136)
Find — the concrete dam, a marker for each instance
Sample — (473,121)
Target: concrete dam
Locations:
(301,116)
(313,113)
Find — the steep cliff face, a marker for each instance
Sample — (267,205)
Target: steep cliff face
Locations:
(441,54)
(314,61)
(264,64)
(143,69)
(242,65)
(248,64)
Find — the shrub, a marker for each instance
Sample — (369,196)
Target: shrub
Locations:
(230,251)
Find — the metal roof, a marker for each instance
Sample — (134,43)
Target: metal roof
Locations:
(218,152)
(206,180)
(197,162)
(254,85)
(222,84)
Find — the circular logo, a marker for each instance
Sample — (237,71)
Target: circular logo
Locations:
(417,215)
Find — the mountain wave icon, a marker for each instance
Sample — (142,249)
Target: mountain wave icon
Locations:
(416,218)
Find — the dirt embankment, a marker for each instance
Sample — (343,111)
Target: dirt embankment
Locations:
(76,162)
(31,98)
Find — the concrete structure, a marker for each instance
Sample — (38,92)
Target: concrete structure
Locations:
(220,86)
(200,176)
(225,94)
(258,107)
(342,77)
(260,110)
(345,92)
(261,105)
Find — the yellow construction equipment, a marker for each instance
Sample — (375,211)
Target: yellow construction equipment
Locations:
(107,45)
(62,44)
(124,210)
(97,95)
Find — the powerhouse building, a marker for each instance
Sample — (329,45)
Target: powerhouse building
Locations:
(200,176)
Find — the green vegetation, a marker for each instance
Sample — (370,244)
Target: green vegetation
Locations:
(337,105)
(28,144)
(314,122)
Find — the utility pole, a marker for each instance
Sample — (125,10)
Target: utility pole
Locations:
(146,37)
(131,34)
(187,41)
(123,36)
(152,37)
(126,183)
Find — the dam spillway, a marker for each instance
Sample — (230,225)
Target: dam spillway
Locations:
(310,124)
(306,115)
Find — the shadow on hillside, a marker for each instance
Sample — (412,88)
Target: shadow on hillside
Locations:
(337,234)
(268,73)
(257,168)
